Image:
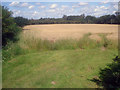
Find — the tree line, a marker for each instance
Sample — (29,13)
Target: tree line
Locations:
(80,19)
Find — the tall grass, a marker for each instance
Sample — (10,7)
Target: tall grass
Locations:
(28,43)
(108,43)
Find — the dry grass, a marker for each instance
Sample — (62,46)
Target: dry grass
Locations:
(75,31)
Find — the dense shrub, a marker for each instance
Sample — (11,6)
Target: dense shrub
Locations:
(9,28)
(20,21)
(109,77)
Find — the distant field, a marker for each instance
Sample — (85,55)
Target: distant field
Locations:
(74,31)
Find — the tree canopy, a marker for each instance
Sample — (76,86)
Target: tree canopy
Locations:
(20,21)
(9,28)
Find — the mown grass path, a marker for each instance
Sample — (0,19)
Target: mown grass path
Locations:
(56,69)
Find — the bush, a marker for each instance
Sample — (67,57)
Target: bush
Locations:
(9,28)
(20,21)
(109,77)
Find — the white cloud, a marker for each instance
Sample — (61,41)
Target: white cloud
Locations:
(53,6)
(51,10)
(17,4)
(38,3)
(89,10)
(105,2)
(58,10)
(83,3)
(79,4)
(100,8)
(35,13)
(96,10)
(24,4)
(64,6)
(17,12)
(42,6)
(30,7)
(103,7)
(113,12)
(75,6)
(14,4)
(116,7)
(101,13)
(103,10)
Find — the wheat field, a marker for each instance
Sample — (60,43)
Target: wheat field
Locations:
(67,31)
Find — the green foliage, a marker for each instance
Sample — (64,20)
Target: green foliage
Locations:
(9,28)
(12,50)
(90,19)
(118,19)
(20,21)
(79,19)
(107,19)
(109,77)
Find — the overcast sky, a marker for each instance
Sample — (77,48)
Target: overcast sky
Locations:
(37,10)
